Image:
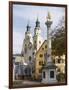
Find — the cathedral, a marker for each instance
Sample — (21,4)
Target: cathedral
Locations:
(31,44)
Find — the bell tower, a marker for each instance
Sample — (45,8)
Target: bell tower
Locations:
(27,45)
(37,39)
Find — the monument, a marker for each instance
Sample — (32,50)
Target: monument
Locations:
(49,69)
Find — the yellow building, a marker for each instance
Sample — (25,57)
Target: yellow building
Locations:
(60,63)
(40,59)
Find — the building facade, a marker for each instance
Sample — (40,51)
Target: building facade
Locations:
(31,44)
(40,60)
(60,63)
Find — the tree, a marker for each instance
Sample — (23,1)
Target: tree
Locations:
(61,77)
(59,39)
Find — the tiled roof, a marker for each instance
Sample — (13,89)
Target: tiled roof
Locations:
(41,46)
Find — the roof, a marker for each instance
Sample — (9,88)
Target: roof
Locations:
(52,66)
(17,55)
(41,46)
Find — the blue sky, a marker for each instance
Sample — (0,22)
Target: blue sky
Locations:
(22,14)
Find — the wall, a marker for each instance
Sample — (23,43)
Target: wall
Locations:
(4,40)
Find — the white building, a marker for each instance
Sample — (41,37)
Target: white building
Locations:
(31,44)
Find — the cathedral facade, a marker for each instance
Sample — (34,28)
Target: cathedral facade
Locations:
(31,44)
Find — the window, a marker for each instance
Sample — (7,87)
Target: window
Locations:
(39,42)
(54,61)
(40,62)
(59,60)
(45,46)
(40,71)
(25,45)
(41,55)
(42,48)
(30,45)
(29,58)
(51,74)
(58,70)
(33,53)
(34,41)
(43,74)
(16,63)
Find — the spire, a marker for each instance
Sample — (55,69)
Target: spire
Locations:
(28,27)
(37,23)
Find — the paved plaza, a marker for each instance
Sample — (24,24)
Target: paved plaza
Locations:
(21,83)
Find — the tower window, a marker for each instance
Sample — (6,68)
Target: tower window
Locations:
(41,55)
(39,42)
(25,44)
(34,41)
(51,74)
(29,58)
(33,53)
(43,74)
(30,45)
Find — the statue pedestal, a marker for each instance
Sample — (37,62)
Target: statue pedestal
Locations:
(49,74)
(49,70)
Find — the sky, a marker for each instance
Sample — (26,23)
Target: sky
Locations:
(23,14)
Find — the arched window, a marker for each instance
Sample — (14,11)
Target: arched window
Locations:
(51,74)
(44,74)
(30,45)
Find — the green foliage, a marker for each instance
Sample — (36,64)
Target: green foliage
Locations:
(59,41)
(61,77)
